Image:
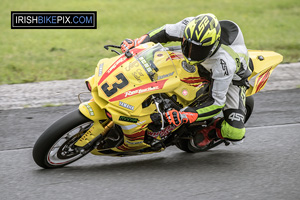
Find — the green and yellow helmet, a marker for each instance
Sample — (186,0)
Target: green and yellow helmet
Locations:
(201,38)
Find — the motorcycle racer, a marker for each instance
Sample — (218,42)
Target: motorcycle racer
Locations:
(217,48)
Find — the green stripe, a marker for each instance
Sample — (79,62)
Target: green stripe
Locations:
(154,32)
(208,112)
(235,55)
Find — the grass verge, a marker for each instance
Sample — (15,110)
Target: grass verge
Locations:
(41,55)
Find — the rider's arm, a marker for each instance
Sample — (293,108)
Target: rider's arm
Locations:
(169,32)
(164,34)
(222,74)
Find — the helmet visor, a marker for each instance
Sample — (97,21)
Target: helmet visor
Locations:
(193,51)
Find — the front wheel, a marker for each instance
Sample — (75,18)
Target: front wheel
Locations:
(55,147)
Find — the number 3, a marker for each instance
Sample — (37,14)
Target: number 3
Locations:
(115,86)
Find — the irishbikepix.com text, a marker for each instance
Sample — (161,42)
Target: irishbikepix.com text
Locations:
(53,20)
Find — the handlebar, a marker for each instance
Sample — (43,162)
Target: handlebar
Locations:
(113,46)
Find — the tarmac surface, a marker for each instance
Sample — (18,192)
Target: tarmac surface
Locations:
(266,166)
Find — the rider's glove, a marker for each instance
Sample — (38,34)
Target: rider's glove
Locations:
(129,43)
(177,118)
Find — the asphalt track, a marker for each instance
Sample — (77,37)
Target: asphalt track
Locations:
(265,166)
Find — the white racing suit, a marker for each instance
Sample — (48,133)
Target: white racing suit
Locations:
(228,68)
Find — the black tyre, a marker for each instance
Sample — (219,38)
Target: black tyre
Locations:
(183,144)
(55,147)
(188,145)
(249,107)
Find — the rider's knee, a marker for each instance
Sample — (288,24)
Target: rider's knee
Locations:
(232,133)
(233,127)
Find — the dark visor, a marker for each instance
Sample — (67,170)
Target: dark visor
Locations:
(195,52)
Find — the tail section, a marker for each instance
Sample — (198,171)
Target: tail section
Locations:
(264,62)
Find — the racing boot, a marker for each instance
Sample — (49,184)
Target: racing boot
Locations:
(208,134)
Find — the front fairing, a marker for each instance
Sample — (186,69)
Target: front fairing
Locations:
(124,83)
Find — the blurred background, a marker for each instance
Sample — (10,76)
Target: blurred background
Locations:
(59,54)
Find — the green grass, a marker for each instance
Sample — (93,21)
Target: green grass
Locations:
(39,55)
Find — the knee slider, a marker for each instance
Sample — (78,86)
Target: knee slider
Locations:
(232,133)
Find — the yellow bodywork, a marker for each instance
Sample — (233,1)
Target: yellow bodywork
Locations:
(121,89)
(92,111)
(264,63)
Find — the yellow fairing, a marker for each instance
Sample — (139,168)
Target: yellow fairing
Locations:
(92,111)
(264,62)
(190,82)
(122,87)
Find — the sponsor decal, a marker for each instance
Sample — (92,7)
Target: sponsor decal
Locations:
(236,117)
(137,75)
(100,69)
(141,89)
(201,26)
(89,108)
(224,67)
(122,59)
(132,65)
(125,105)
(165,76)
(128,119)
(117,63)
(145,64)
(162,133)
(133,143)
(113,67)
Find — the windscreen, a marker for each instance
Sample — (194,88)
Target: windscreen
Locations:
(157,62)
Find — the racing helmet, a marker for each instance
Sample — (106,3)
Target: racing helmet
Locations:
(201,38)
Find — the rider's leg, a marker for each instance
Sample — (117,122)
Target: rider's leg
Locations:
(230,127)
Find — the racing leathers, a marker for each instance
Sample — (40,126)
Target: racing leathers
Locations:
(228,69)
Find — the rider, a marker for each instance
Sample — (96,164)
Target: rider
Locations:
(218,48)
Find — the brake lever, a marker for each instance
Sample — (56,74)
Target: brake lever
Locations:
(115,51)
(158,110)
(112,46)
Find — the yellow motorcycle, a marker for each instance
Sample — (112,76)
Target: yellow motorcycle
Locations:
(130,93)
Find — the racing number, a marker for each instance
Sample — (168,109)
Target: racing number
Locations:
(115,86)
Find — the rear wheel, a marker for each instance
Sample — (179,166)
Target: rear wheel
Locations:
(55,147)
(249,107)
(189,146)
(183,144)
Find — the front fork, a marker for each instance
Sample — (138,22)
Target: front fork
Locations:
(98,130)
